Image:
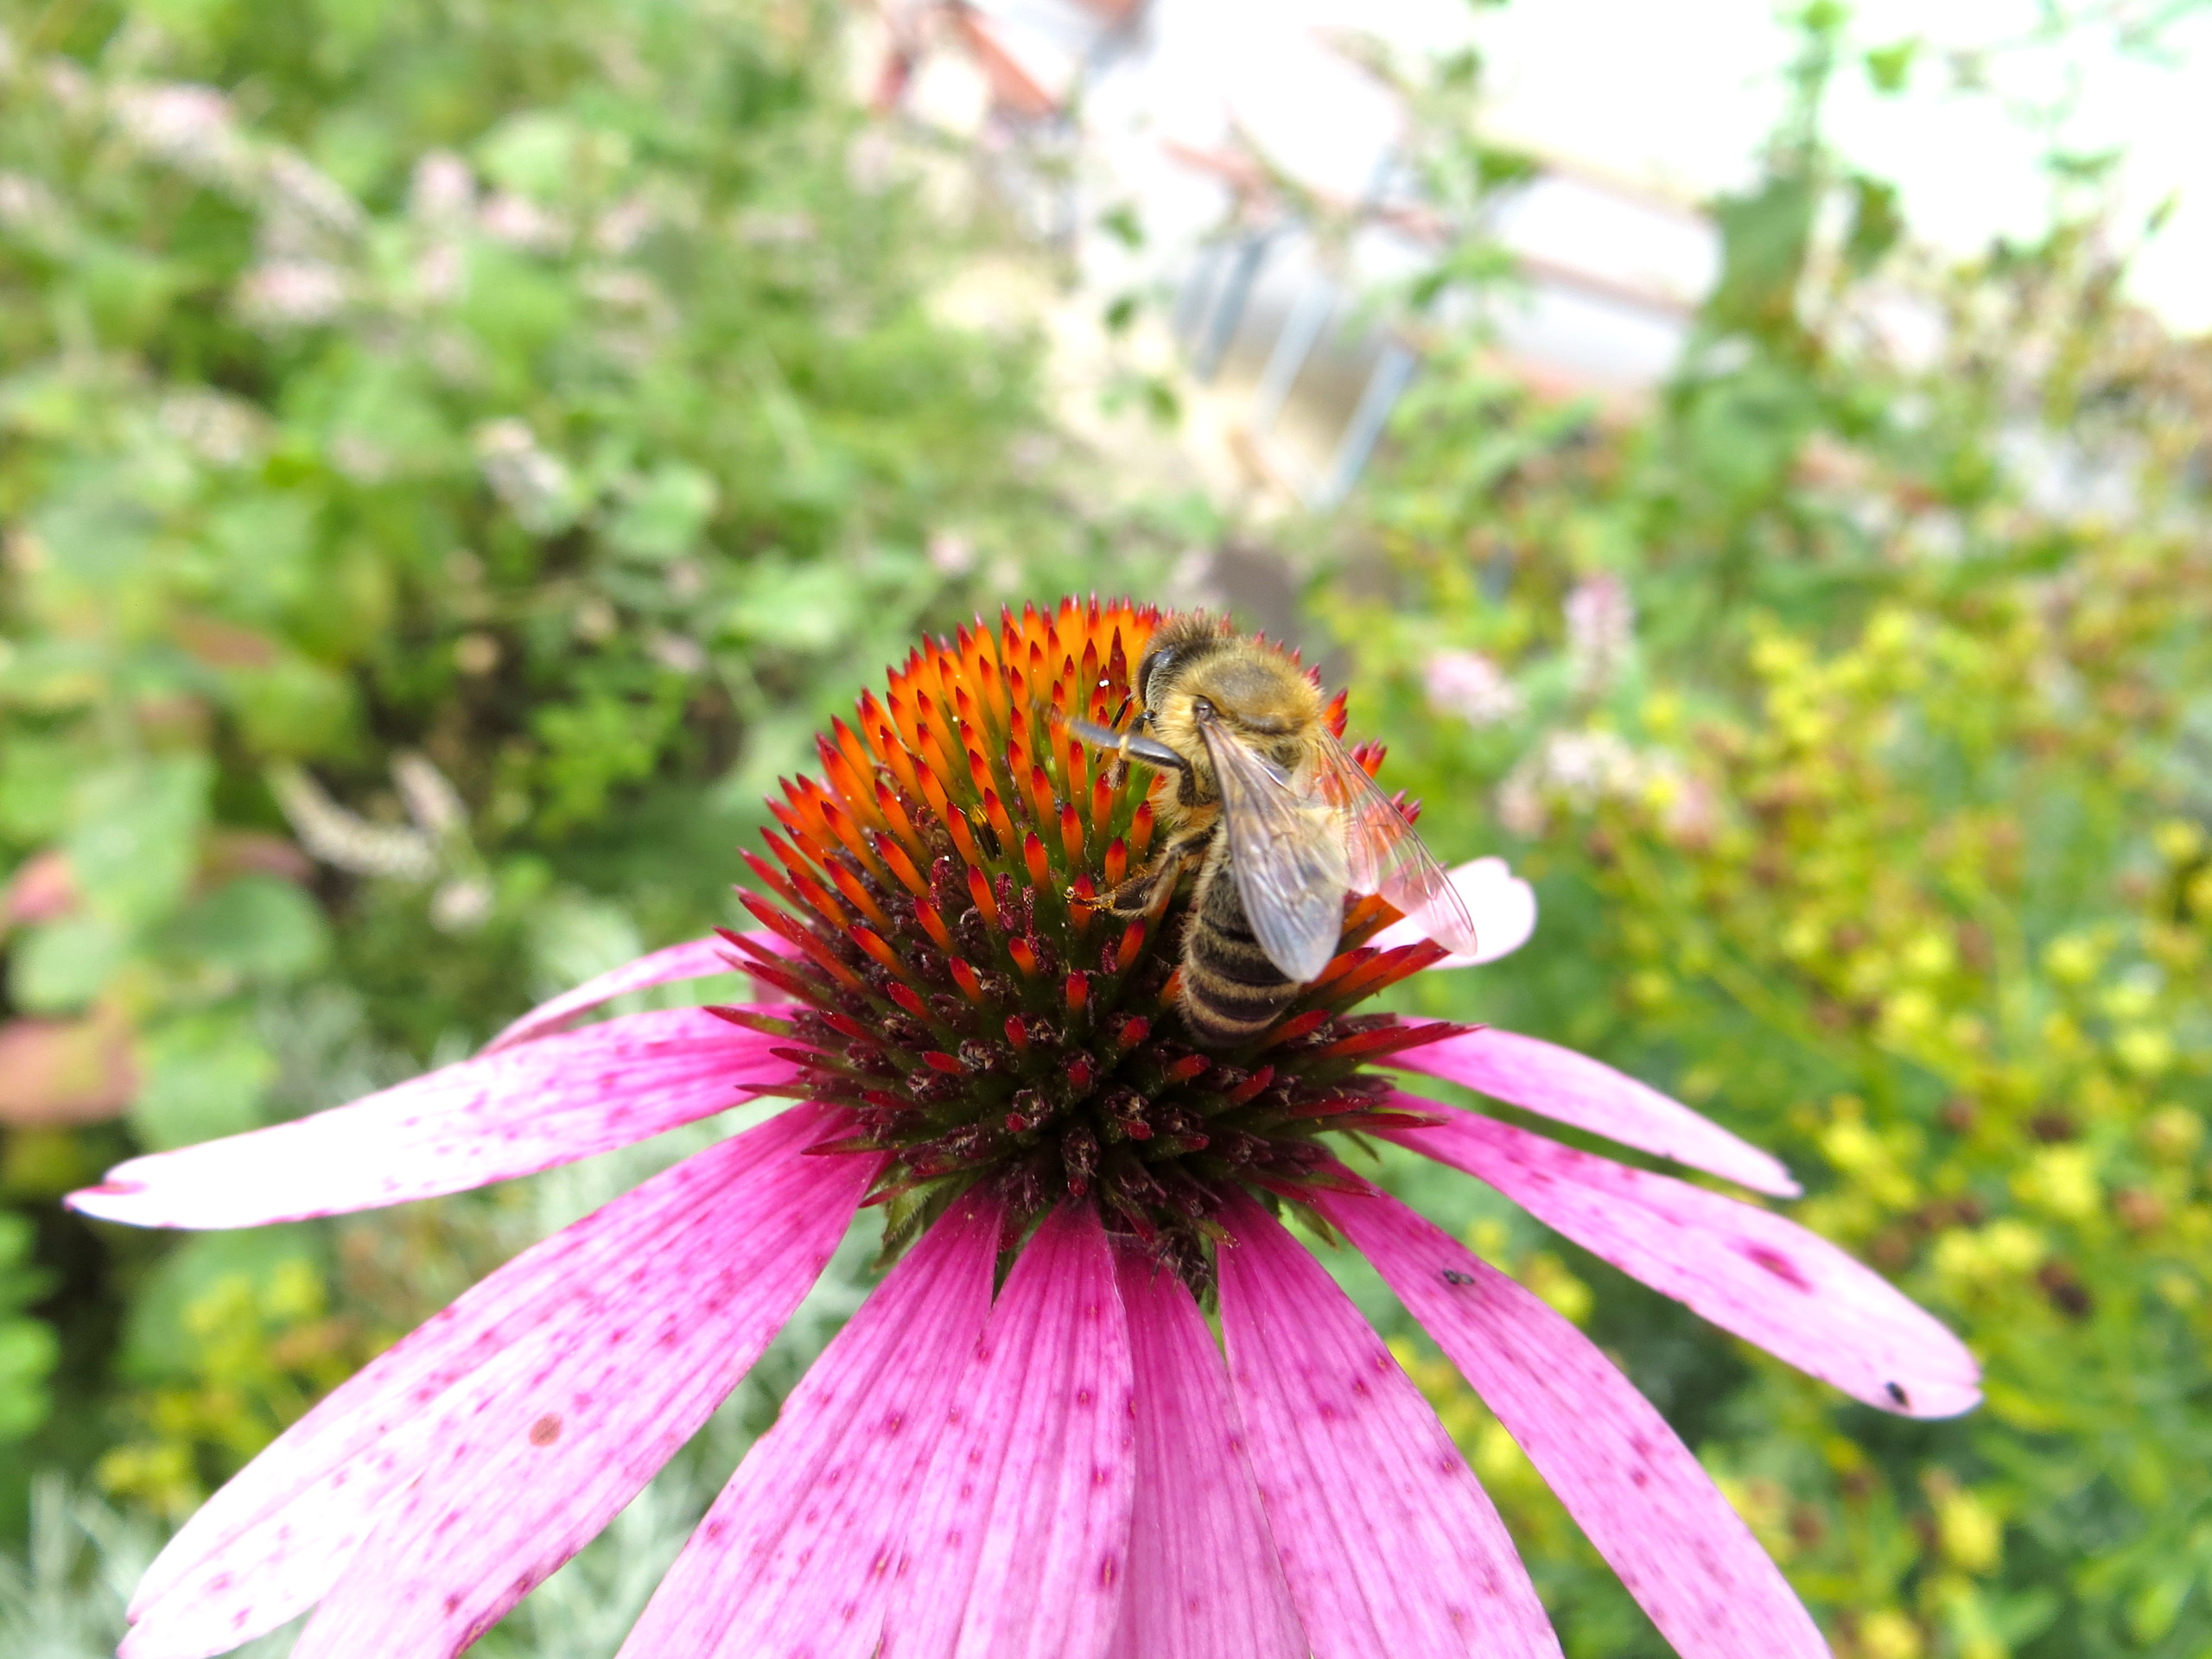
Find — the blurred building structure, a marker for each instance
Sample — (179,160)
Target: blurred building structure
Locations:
(1263,167)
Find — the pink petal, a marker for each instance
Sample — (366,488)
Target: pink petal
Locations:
(1202,1581)
(1391,1548)
(485,1120)
(1020,1540)
(795,1550)
(1503,908)
(1557,1082)
(273,1540)
(1685,1556)
(525,1477)
(693,959)
(1617,1467)
(1746,1270)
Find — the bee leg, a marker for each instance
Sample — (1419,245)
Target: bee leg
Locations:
(1148,889)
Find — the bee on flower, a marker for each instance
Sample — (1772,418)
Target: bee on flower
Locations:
(1028,1442)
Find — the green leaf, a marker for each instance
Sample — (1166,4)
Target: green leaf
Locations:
(36,774)
(136,838)
(1888,67)
(29,1351)
(61,965)
(664,512)
(256,927)
(206,1075)
(1877,222)
(796,608)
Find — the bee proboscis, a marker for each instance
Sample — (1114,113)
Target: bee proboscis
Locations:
(1278,820)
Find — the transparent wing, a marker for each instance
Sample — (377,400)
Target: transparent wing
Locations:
(1383,856)
(1287,855)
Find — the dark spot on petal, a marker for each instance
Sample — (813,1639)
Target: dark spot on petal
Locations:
(1453,1276)
(453,1603)
(1896,1391)
(1779,1265)
(545,1430)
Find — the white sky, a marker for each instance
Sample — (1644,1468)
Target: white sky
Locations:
(1681,95)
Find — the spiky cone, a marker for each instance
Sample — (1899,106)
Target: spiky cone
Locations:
(1027,1441)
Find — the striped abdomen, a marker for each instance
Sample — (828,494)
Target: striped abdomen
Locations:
(1231,992)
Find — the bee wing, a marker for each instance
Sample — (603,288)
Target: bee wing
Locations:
(1287,855)
(1383,856)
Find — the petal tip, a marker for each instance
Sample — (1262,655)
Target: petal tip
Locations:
(100,1201)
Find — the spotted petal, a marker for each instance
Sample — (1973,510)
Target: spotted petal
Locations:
(797,1551)
(1020,1543)
(1390,1546)
(1746,1270)
(271,1542)
(1632,1486)
(489,1119)
(535,1466)
(1557,1082)
(693,959)
(1204,1583)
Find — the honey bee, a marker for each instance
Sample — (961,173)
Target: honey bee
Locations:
(1279,821)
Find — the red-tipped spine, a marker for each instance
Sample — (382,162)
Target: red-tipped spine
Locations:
(878,947)
(933,924)
(979,889)
(1251,1087)
(895,860)
(850,885)
(970,983)
(1001,826)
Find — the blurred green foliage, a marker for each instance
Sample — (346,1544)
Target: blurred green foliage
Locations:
(451,458)
(1850,703)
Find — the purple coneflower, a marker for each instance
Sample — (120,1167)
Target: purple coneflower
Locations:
(1027,1441)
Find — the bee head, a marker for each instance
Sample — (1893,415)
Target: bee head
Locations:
(1255,690)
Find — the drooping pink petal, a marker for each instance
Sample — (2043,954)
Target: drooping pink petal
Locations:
(1020,1540)
(693,959)
(269,1543)
(1503,908)
(1558,1083)
(529,1474)
(1202,1580)
(1391,1548)
(1655,1515)
(795,1555)
(485,1120)
(1746,1270)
